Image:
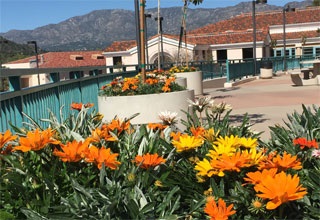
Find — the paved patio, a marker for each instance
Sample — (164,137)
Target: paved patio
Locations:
(267,101)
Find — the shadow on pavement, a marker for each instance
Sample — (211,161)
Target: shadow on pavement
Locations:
(253,118)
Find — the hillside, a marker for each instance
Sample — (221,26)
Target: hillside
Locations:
(98,29)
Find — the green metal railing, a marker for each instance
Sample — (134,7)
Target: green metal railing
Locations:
(36,101)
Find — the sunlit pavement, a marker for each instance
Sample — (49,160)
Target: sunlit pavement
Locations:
(267,101)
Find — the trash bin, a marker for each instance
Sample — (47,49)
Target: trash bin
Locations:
(266,69)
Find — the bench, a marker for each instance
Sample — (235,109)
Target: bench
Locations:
(306,80)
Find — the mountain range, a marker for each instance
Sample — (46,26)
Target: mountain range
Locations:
(98,29)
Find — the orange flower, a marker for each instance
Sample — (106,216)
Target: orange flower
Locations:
(256,177)
(286,162)
(175,136)
(73,151)
(197,132)
(234,162)
(148,160)
(78,106)
(157,126)
(151,81)
(304,143)
(130,83)
(220,211)
(280,189)
(6,137)
(36,140)
(118,125)
(100,156)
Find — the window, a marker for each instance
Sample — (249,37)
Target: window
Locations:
(222,55)
(307,51)
(117,61)
(247,53)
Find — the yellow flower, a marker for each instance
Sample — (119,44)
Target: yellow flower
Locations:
(230,142)
(186,143)
(205,169)
(221,149)
(158,183)
(280,189)
(249,142)
(210,135)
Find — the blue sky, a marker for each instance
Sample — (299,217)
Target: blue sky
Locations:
(30,14)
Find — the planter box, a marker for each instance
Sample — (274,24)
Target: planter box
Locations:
(149,106)
(194,81)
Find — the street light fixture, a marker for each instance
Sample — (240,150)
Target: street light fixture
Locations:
(254,32)
(37,59)
(287,9)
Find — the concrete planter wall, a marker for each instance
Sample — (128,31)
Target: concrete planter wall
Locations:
(149,106)
(194,81)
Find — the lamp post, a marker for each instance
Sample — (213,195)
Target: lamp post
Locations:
(37,59)
(160,52)
(146,37)
(137,20)
(254,33)
(287,9)
(142,40)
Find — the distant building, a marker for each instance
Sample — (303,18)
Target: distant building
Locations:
(57,60)
(232,39)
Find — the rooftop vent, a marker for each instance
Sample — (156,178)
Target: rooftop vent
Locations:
(97,56)
(76,57)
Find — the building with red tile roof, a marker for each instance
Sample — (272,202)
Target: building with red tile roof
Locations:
(57,60)
(233,39)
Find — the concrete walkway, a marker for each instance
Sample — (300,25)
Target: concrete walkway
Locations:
(267,101)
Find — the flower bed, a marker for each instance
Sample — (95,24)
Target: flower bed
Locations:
(83,168)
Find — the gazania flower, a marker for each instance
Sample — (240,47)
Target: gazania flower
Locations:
(316,153)
(72,151)
(230,142)
(249,142)
(118,125)
(220,108)
(168,118)
(235,162)
(202,103)
(256,177)
(197,132)
(101,156)
(205,169)
(304,143)
(36,140)
(78,106)
(187,142)
(148,160)
(130,84)
(280,189)
(282,163)
(220,149)
(220,211)
(6,137)
(175,136)
(156,126)
(210,135)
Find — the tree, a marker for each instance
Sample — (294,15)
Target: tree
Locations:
(316,3)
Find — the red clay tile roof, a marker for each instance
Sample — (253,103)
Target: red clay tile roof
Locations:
(67,59)
(263,21)
(121,46)
(295,35)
